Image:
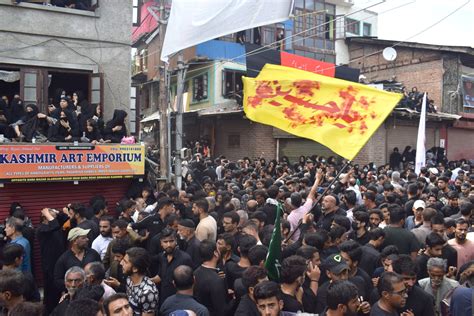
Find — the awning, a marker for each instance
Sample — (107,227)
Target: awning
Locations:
(439,116)
(153,117)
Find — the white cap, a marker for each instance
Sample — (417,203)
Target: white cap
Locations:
(433,170)
(419,204)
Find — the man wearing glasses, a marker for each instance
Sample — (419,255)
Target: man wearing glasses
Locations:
(393,296)
(417,300)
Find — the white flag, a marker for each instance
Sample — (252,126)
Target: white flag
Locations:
(192,22)
(420,160)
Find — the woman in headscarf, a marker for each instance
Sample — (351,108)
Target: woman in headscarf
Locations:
(115,129)
(92,133)
(84,109)
(63,130)
(99,118)
(17,111)
(25,128)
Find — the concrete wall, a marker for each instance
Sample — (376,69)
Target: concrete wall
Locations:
(44,36)
(367,16)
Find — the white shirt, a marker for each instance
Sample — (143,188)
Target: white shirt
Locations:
(100,245)
(108,291)
(207,229)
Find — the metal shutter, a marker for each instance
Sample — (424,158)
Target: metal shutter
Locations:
(36,196)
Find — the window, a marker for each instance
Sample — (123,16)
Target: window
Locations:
(352,26)
(367,28)
(314,26)
(133,110)
(330,26)
(233,141)
(136,12)
(273,33)
(232,84)
(144,60)
(200,88)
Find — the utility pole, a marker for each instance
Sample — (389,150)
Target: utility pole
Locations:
(163,101)
(179,119)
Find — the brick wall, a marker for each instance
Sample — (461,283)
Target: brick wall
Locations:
(255,139)
(413,67)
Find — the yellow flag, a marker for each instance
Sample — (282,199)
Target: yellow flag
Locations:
(339,114)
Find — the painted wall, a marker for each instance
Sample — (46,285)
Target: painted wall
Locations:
(45,36)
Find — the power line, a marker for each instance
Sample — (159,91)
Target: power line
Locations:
(399,42)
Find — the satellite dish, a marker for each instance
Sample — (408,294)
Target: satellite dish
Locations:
(389,54)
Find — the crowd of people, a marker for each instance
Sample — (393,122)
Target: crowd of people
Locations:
(70,4)
(413,100)
(381,241)
(68,118)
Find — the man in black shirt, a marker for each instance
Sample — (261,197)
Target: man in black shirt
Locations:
(230,223)
(448,252)
(234,270)
(342,299)
(79,255)
(210,289)
(418,301)
(393,296)
(168,260)
(396,235)
(183,279)
(188,241)
(360,226)
(52,245)
(453,206)
(336,269)
(370,259)
(252,276)
(351,252)
(330,209)
(269,300)
(155,222)
(77,213)
(292,276)
(434,247)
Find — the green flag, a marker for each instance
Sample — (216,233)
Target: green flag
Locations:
(272,263)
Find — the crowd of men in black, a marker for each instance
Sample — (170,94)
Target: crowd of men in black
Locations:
(70,4)
(414,99)
(66,119)
(382,242)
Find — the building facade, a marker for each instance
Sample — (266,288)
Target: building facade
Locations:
(434,69)
(47,49)
(214,86)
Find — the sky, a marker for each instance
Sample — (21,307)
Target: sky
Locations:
(404,22)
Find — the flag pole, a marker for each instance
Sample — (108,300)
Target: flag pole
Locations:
(420,160)
(321,196)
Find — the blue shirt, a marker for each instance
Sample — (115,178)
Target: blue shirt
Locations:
(26,262)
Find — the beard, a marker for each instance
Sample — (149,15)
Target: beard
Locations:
(106,234)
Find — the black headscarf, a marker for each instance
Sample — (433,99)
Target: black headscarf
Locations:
(17,111)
